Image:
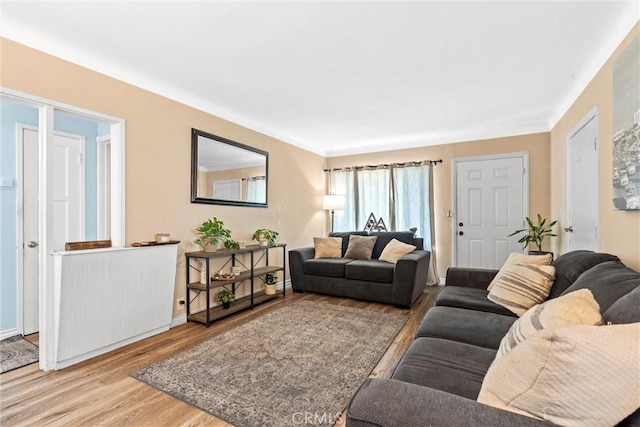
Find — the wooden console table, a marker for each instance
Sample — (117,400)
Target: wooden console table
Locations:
(256,254)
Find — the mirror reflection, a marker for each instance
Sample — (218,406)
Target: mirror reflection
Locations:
(227,172)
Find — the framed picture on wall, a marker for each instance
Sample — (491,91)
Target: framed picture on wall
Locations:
(626,128)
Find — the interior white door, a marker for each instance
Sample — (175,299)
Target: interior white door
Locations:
(490,205)
(68,185)
(583,187)
(29,270)
(68,211)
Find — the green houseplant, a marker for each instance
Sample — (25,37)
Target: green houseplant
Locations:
(535,233)
(265,236)
(210,233)
(231,244)
(270,281)
(226,297)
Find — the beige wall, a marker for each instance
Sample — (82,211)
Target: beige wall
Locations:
(537,145)
(619,230)
(158,153)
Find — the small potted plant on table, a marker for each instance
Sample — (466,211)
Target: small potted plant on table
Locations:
(211,232)
(265,237)
(226,297)
(535,234)
(270,281)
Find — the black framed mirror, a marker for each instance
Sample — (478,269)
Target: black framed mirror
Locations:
(225,172)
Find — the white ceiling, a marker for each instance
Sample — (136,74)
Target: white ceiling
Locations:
(343,77)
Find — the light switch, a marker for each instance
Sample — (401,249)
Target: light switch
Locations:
(6,182)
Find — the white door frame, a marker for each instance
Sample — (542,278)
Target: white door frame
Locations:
(524,155)
(591,115)
(48,308)
(103,162)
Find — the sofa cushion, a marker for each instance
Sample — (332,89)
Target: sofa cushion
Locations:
(608,282)
(572,375)
(517,257)
(345,237)
(468,326)
(328,267)
(470,298)
(385,237)
(521,286)
(625,310)
(327,247)
(369,270)
(395,250)
(360,247)
(450,366)
(571,265)
(574,308)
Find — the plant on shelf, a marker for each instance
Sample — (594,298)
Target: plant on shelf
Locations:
(270,281)
(265,237)
(210,233)
(536,233)
(231,244)
(226,297)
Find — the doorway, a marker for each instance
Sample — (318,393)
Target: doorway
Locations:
(69,211)
(583,185)
(490,202)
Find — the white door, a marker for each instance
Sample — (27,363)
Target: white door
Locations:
(68,186)
(583,186)
(68,211)
(490,205)
(30,298)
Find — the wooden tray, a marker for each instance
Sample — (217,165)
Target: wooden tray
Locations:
(224,279)
(154,243)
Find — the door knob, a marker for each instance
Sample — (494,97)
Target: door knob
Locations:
(569,229)
(32,244)
(461,233)
(460,224)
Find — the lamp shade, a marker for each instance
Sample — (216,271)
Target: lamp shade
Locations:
(333,202)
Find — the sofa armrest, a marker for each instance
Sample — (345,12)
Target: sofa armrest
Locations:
(387,402)
(469,277)
(410,277)
(297,257)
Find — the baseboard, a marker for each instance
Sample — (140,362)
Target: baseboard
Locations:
(8,333)
(178,320)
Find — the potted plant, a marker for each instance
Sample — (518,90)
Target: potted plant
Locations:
(211,232)
(535,234)
(226,297)
(265,237)
(270,281)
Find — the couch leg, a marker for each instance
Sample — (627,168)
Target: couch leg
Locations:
(298,291)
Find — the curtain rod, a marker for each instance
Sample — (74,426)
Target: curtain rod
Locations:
(387,165)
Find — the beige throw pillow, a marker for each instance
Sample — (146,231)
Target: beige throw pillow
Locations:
(515,258)
(522,286)
(360,247)
(327,247)
(395,250)
(570,376)
(574,308)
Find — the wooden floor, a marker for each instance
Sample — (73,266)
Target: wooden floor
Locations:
(100,392)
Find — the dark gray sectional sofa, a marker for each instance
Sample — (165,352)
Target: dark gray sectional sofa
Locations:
(440,375)
(371,280)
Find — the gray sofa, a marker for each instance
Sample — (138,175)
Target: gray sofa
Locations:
(371,280)
(439,377)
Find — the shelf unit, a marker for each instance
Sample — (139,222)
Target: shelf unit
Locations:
(257,254)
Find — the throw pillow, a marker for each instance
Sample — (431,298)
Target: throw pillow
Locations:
(517,257)
(360,247)
(570,376)
(395,250)
(327,247)
(576,308)
(522,286)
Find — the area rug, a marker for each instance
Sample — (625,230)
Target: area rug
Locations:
(301,362)
(16,352)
